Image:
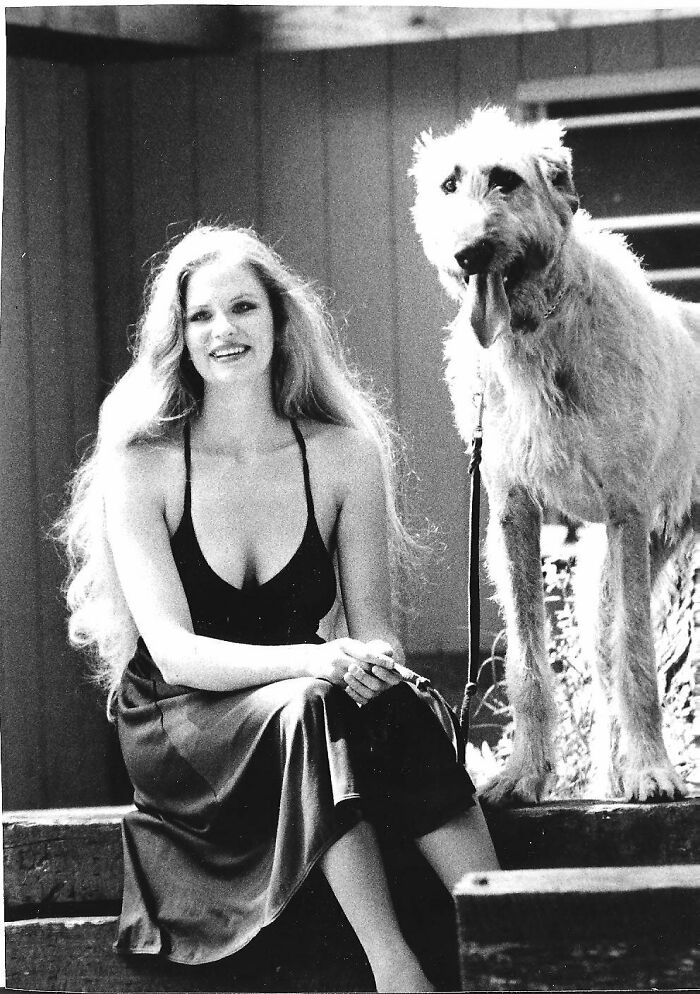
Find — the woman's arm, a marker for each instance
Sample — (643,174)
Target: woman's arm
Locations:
(363,559)
(140,542)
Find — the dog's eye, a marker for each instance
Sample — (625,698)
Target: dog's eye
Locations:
(450,184)
(504,180)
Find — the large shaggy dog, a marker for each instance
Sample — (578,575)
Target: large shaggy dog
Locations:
(591,406)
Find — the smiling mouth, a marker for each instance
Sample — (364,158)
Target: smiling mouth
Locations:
(230,352)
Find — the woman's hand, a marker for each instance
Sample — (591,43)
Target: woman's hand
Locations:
(365,669)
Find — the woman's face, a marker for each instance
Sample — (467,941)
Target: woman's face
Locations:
(229,327)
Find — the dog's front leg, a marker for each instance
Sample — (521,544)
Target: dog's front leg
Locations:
(515,565)
(647,772)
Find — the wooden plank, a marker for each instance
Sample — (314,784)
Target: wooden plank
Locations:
(628,48)
(62,857)
(80,302)
(76,770)
(572,929)
(178,25)
(362,262)
(610,85)
(545,56)
(424,94)
(118,275)
(637,964)
(294,180)
(301,27)
(311,27)
(589,833)
(164,192)
(66,856)
(53,414)
(76,954)
(309,947)
(488,73)
(576,884)
(22,741)
(227,123)
(679,41)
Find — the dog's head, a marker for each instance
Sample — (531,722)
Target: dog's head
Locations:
(494,202)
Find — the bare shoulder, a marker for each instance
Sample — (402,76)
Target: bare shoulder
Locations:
(144,470)
(342,454)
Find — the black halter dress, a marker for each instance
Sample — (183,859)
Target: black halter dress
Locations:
(239,794)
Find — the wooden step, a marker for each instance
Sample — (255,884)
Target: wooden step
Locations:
(63,871)
(72,856)
(605,928)
(69,862)
(75,954)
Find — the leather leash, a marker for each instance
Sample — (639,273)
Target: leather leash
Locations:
(474,598)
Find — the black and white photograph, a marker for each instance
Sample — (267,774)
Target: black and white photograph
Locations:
(350,469)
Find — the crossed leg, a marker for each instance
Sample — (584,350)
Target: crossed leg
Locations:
(354,869)
(463,845)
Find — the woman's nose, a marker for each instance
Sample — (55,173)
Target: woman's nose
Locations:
(222,324)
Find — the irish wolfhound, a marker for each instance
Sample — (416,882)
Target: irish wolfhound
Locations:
(589,379)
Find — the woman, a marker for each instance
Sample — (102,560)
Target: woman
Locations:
(234,458)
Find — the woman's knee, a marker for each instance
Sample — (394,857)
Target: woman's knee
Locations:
(306,696)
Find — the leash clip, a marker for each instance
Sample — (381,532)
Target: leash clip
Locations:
(478,401)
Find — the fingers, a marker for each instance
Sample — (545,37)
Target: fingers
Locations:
(357,698)
(364,686)
(390,676)
(380,647)
(369,668)
(377,652)
(362,679)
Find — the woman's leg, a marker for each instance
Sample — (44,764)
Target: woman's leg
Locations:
(462,845)
(354,869)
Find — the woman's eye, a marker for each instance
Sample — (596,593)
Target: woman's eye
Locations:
(242,306)
(504,180)
(196,316)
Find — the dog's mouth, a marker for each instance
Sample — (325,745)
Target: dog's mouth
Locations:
(487,289)
(488,307)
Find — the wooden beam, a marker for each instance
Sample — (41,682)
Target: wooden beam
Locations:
(205,27)
(73,855)
(543,91)
(297,27)
(76,954)
(601,928)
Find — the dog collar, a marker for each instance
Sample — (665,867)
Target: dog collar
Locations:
(553,306)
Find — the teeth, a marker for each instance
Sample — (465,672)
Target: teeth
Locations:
(234,350)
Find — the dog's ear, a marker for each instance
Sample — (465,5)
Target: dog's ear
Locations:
(563,182)
(561,178)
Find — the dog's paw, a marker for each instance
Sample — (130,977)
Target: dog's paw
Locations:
(512,787)
(653,783)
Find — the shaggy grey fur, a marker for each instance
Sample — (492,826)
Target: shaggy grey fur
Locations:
(590,379)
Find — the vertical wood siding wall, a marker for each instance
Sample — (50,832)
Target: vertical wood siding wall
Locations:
(106,162)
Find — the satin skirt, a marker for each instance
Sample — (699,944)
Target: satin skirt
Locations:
(238,795)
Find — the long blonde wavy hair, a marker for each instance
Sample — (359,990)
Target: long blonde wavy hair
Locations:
(161,390)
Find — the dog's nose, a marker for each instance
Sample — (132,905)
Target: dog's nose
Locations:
(475,258)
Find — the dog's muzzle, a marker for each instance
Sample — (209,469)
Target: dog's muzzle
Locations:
(485,299)
(475,258)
